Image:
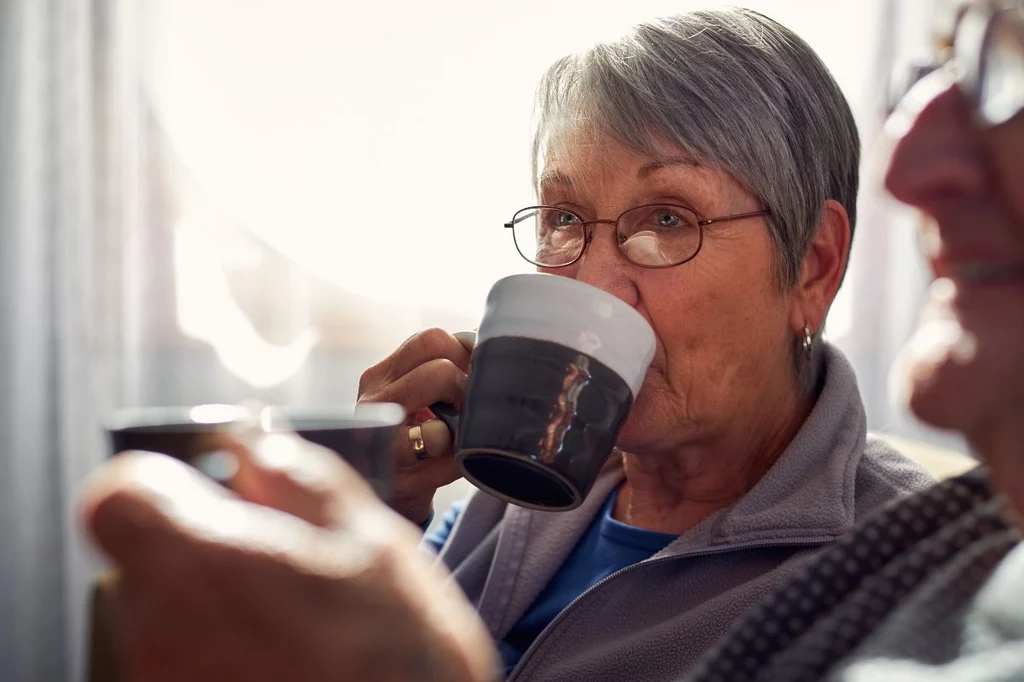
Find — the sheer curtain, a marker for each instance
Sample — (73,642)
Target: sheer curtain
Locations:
(877,309)
(210,200)
(58,84)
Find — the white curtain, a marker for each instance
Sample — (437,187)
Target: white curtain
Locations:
(885,285)
(211,200)
(56,368)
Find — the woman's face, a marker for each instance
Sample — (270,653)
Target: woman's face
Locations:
(965,365)
(724,347)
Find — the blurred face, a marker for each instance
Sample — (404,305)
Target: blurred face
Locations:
(965,365)
(723,352)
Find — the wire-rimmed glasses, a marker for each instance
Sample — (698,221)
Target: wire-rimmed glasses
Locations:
(989,52)
(650,236)
(984,54)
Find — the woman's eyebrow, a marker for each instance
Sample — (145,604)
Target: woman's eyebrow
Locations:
(554,177)
(648,168)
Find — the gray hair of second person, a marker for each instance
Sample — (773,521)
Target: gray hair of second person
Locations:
(732,89)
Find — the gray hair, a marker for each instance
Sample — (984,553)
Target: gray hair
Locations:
(732,89)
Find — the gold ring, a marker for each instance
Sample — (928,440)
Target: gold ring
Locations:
(419,448)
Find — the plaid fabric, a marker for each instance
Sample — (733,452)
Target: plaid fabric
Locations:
(898,586)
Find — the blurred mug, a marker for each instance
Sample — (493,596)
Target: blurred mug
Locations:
(555,370)
(362,434)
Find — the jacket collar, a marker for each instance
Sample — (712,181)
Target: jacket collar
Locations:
(806,497)
(808,494)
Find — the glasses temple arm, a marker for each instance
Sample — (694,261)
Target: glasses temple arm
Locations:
(516,221)
(738,216)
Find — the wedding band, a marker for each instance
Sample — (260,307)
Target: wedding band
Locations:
(419,448)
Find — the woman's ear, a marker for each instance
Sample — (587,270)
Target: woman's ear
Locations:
(822,269)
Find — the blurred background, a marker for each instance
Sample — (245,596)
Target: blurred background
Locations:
(214,200)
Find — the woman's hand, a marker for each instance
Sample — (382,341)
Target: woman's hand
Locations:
(430,367)
(302,575)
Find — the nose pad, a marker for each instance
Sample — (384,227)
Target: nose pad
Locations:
(589,240)
(588,237)
(606,267)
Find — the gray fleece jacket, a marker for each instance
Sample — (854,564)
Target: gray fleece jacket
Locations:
(651,621)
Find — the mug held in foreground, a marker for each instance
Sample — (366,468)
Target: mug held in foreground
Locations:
(361,434)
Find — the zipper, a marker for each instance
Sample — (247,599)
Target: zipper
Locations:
(564,613)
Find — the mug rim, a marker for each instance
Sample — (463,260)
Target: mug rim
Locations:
(382,414)
(585,319)
(570,284)
(462,455)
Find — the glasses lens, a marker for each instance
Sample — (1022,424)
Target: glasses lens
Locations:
(903,79)
(548,236)
(1001,80)
(659,236)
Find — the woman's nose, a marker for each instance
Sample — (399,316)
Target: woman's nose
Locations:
(940,157)
(602,264)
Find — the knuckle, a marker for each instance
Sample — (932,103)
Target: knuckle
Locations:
(435,341)
(385,563)
(369,380)
(444,367)
(446,377)
(106,514)
(450,375)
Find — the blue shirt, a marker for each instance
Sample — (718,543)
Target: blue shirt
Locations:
(606,547)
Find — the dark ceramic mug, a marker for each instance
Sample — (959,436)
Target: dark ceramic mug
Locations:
(555,369)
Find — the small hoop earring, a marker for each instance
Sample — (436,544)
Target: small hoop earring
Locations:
(808,343)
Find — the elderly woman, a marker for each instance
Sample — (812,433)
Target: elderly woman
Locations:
(745,450)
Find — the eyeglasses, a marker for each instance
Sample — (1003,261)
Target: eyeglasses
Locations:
(989,50)
(985,54)
(651,236)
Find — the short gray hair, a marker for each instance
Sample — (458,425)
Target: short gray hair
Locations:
(733,89)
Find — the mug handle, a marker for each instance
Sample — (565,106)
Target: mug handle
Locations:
(447,413)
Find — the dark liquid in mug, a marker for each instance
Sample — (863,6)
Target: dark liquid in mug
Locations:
(365,444)
(539,420)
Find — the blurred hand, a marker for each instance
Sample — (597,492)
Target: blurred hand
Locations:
(302,575)
(430,367)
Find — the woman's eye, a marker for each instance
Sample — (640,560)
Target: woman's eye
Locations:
(667,219)
(564,219)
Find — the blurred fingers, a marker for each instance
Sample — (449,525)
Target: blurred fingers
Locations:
(285,472)
(132,506)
